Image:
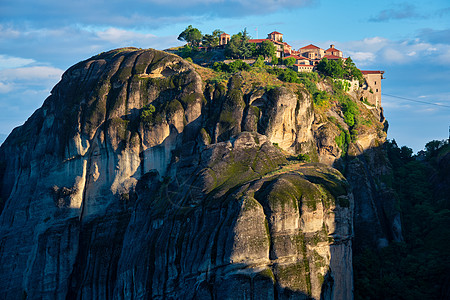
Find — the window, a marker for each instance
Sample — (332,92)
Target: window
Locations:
(377,90)
(375,83)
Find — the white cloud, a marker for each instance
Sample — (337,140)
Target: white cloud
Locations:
(125,37)
(7,62)
(5,87)
(28,79)
(8,32)
(394,105)
(444,54)
(35,73)
(393,55)
(362,57)
(379,50)
(66,46)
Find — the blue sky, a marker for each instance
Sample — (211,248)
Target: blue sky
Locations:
(410,41)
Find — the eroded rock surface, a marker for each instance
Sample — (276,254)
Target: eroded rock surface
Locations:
(201,200)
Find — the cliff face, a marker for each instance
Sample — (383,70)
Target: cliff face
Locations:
(202,198)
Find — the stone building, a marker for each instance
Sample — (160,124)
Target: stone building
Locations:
(333,51)
(224,39)
(275,36)
(303,68)
(300,60)
(283,49)
(371,91)
(333,57)
(312,52)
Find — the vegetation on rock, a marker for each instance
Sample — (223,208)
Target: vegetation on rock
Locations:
(340,69)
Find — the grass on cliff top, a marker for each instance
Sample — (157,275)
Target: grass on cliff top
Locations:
(326,93)
(253,78)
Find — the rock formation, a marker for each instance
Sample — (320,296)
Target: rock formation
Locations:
(202,198)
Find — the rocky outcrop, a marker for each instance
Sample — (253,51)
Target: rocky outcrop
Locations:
(204,197)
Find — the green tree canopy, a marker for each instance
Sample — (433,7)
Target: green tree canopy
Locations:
(232,67)
(191,35)
(239,47)
(290,61)
(212,40)
(433,146)
(259,63)
(274,60)
(332,68)
(351,71)
(339,69)
(267,49)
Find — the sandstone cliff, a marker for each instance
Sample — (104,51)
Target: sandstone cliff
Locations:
(205,198)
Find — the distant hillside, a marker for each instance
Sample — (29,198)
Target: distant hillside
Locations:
(2,138)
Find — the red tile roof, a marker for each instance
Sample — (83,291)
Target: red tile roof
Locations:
(332,57)
(332,49)
(372,72)
(275,32)
(310,46)
(224,34)
(257,41)
(299,65)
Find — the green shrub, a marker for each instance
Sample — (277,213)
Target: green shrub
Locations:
(288,75)
(350,110)
(274,60)
(147,113)
(290,61)
(259,63)
(342,141)
(304,157)
(233,67)
(321,98)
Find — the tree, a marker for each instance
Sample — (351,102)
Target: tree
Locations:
(267,49)
(246,47)
(233,49)
(289,75)
(274,60)
(259,63)
(232,67)
(290,61)
(212,40)
(217,32)
(185,51)
(352,72)
(406,153)
(332,68)
(191,35)
(432,147)
(239,47)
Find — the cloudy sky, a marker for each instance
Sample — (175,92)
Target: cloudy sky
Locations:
(410,41)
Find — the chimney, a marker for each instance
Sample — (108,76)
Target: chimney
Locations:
(332,46)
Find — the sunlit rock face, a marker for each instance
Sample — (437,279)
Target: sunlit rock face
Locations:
(199,199)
